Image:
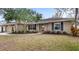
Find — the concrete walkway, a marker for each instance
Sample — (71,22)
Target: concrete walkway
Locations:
(4,34)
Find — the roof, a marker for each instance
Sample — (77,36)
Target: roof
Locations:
(55,20)
(13,23)
(48,20)
(32,23)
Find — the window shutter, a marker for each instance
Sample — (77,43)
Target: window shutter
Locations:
(62,26)
(52,26)
(2,29)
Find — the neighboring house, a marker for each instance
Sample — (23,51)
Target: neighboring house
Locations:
(50,24)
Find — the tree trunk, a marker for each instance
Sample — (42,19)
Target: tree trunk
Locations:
(25,27)
(76,17)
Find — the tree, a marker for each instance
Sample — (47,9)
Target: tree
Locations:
(1,11)
(74,29)
(68,12)
(26,15)
(37,17)
(57,15)
(76,17)
(21,15)
(9,14)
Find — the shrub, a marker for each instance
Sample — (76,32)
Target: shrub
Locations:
(31,31)
(74,31)
(65,33)
(55,32)
(19,32)
(58,32)
(46,32)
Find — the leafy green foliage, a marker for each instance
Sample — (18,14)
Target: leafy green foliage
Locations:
(21,15)
(9,14)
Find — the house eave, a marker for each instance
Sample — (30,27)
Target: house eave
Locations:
(50,21)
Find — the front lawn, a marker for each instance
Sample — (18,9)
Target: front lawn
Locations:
(38,42)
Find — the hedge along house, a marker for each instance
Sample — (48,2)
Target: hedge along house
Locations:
(50,24)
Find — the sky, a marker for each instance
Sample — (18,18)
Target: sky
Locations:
(1,18)
(46,12)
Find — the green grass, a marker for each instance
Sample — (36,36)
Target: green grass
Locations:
(38,42)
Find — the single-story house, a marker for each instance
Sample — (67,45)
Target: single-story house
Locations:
(50,24)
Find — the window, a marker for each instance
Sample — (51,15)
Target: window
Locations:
(32,27)
(57,26)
